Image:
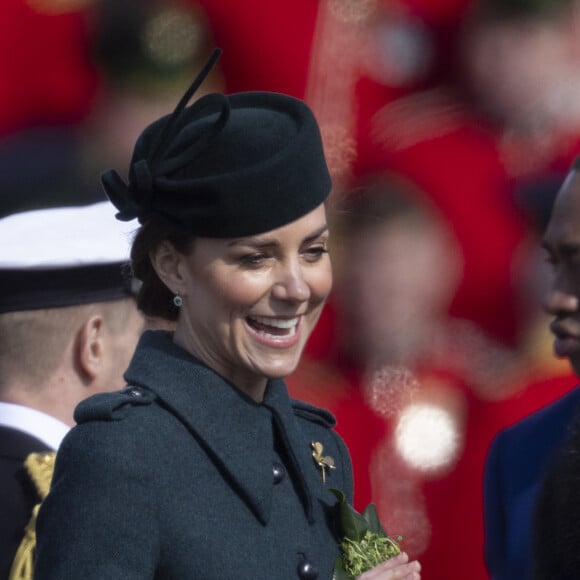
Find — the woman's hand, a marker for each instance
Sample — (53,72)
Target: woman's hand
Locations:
(397,568)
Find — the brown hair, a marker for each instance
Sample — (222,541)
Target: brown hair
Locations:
(154,298)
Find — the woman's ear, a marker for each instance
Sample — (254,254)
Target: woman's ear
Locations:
(166,262)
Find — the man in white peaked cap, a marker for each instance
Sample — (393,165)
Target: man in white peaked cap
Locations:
(68,327)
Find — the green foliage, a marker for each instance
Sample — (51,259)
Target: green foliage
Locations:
(365,543)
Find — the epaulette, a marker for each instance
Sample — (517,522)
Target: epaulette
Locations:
(40,467)
(112,406)
(313,414)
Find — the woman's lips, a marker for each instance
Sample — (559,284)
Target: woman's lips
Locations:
(277,332)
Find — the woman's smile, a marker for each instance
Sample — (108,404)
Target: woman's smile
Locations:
(276,332)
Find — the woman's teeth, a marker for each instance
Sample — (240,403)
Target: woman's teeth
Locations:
(274,326)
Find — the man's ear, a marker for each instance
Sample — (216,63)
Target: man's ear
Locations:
(167,263)
(90,348)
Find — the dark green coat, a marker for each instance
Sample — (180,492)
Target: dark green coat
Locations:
(173,478)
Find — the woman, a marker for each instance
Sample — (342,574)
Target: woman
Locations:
(203,467)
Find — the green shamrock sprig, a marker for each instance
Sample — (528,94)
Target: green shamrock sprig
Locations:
(365,543)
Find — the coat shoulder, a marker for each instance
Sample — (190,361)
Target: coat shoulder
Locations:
(113,406)
(313,414)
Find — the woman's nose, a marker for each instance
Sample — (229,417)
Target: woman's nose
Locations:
(291,284)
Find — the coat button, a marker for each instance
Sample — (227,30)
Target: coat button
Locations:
(307,570)
(135,392)
(278,471)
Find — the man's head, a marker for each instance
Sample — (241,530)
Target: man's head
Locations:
(68,321)
(562,243)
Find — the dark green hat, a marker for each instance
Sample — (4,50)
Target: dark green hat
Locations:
(226,166)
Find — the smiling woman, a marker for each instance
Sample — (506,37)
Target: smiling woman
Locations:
(203,467)
(250,304)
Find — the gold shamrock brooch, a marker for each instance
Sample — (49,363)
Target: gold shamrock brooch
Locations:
(322,461)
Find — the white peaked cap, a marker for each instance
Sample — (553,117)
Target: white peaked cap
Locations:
(65,236)
(64,256)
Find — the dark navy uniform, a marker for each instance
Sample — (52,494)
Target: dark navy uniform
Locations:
(183,476)
(19,495)
(518,461)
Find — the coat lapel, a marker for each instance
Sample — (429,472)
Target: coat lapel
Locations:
(235,431)
(298,451)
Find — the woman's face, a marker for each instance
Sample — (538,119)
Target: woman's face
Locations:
(250,304)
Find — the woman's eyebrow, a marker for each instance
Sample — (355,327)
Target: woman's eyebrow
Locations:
(253,242)
(317,233)
(266,242)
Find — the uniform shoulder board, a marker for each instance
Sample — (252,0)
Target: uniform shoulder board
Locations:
(314,414)
(112,406)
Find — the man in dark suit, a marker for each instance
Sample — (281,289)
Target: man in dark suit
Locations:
(68,327)
(521,455)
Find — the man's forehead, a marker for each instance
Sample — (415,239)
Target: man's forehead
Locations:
(564,224)
(568,198)
(572,180)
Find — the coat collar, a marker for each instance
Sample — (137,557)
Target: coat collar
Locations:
(235,431)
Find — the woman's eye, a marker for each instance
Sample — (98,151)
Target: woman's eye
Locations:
(316,252)
(254,259)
